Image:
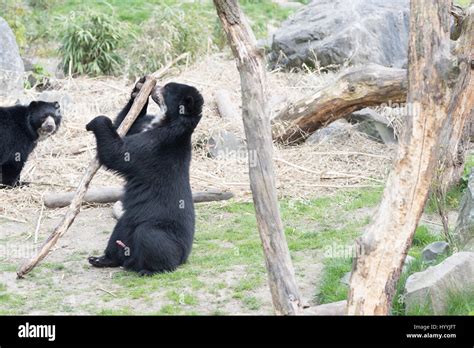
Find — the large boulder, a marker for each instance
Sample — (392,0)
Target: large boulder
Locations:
(334,308)
(344,31)
(434,250)
(464,231)
(434,285)
(223,144)
(11,65)
(373,124)
(335,130)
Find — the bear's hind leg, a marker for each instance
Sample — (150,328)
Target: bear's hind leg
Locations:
(153,251)
(116,248)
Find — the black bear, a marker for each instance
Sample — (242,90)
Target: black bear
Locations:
(21,127)
(156,231)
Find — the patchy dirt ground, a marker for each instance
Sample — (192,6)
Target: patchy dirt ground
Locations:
(65,283)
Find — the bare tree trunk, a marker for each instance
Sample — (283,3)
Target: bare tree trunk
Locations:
(355,89)
(456,136)
(385,244)
(281,278)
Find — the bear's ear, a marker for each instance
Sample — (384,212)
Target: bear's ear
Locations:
(189,102)
(33,103)
(56,105)
(187,106)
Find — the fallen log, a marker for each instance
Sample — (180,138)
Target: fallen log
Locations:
(198,197)
(355,89)
(226,108)
(114,194)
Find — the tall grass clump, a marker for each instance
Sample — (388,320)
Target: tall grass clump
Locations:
(90,42)
(169,33)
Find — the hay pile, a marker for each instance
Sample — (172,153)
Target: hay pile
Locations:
(302,172)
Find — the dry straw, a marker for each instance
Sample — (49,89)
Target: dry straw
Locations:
(304,171)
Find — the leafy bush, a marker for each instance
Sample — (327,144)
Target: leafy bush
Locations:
(89,43)
(15,15)
(170,33)
(43,4)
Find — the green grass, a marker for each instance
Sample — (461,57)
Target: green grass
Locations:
(331,289)
(160,29)
(463,3)
(452,200)
(226,241)
(227,237)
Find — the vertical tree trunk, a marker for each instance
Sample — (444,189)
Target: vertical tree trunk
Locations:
(281,278)
(456,135)
(385,244)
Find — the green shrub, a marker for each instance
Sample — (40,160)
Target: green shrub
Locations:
(43,4)
(15,14)
(89,43)
(170,33)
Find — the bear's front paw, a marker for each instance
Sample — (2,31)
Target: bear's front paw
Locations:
(98,122)
(138,87)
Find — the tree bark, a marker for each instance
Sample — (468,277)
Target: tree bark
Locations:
(355,89)
(384,246)
(255,114)
(456,136)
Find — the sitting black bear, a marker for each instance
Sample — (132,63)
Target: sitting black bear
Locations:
(21,127)
(155,233)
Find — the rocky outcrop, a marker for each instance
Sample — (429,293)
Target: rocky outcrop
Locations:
(338,32)
(434,285)
(11,65)
(464,231)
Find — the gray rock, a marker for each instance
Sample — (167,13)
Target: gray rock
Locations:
(464,231)
(117,210)
(408,261)
(335,129)
(374,125)
(12,70)
(334,308)
(344,31)
(433,250)
(223,144)
(28,64)
(346,278)
(433,285)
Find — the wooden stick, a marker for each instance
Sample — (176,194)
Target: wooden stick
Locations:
(93,167)
(114,194)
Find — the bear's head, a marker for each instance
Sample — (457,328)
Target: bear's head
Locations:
(178,100)
(44,118)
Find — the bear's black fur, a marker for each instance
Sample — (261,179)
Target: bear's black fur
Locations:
(21,126)
(155,233)
(144,120)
